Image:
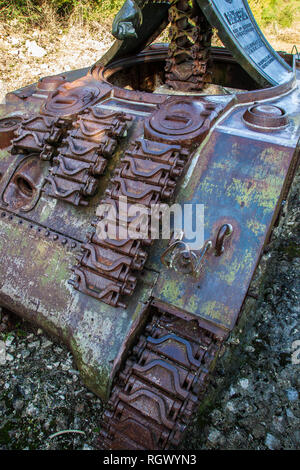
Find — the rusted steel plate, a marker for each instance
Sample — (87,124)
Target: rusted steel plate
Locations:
(35,266)
(239,176)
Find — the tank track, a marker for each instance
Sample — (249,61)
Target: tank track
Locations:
(78,149)
(146,175)
(83,154)
(190,41)
(158,391)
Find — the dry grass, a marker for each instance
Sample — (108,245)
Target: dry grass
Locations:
(65,50)
(75,46)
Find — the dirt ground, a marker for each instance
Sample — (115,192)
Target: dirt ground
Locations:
(253,402)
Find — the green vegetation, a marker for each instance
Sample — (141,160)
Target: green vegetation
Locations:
(38,12)
(281,12)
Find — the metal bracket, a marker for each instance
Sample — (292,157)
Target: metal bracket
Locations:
(183,259)
(179,256)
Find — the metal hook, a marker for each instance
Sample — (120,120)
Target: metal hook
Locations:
(225,231)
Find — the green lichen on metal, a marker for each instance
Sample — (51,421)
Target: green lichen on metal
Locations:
(216,311)
(47,209)
(256,227)
(56,271)
(171,291)
(37,278)
(193,304)
(263,192)
(239,188)
(237,266)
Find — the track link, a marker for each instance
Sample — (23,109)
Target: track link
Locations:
(189,49)
(159,389)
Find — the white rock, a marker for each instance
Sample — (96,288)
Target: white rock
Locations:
(272,442)
(34,50)
(32,410)
(2,353)
(46,344)
(14,41)
(9,341)
(244,383)
(230,406)
(87,447)
(214,436)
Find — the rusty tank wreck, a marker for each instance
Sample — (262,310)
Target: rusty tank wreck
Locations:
(183,123)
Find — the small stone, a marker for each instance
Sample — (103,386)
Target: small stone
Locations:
(46,425)
(31,410)
(46,344)
(39,331)
(9,341)
(258,431)
(79,408)
(9,357)
(230,406)
(34,50)
(14,41)
(214,436)
(2,353)
(292,394)
(34,345)
(272,442)
(25,354)
(244,383)
(290,415)
(18,404)
(278,423)
(86,447)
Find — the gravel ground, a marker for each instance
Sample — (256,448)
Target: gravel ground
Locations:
(253,401)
